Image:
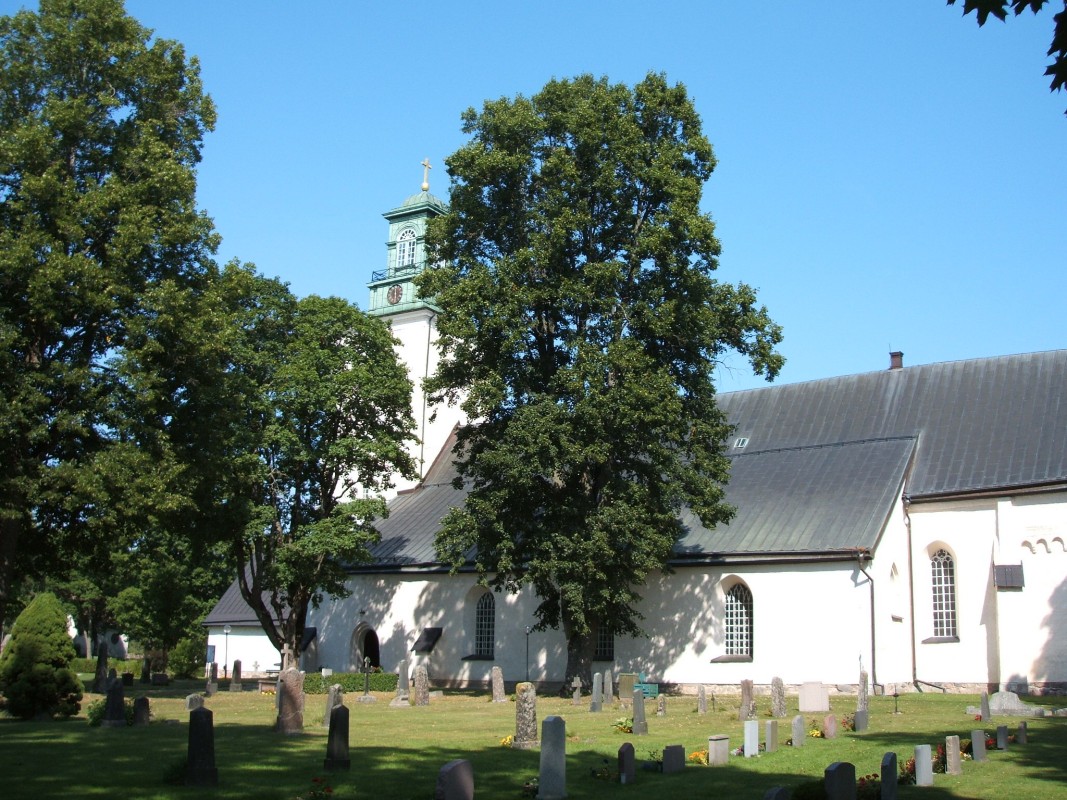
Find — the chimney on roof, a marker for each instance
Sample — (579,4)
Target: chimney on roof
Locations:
(896,360)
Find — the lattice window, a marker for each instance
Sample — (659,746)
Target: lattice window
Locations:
(405,249)
(739,621)
(605,645)
(944,593)
(485,625)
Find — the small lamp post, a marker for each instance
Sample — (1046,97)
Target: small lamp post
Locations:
(226,651)
(527,653)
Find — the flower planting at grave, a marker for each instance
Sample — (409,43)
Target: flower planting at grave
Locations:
(848,722)
(507,741)
(815,729)
(624,725)
(320,790)
(699,757)
(869,787)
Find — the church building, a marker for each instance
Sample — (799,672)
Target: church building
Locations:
(909,521)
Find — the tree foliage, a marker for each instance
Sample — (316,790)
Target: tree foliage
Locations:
(1058,49)
(100,132)
(580,329)
(34,668)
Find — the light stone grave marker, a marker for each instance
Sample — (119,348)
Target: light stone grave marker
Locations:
(335,696)
(596,702)
(455,781)
(1002,737)
(576,697)
(422,686)
(401,700)
(770,735)
(777,698)
(193,702)
(497,677)
(640,724)
(978,746)
(814,697)
(799,731)
(829,727)
(862,689)
(751,738)
(608,688)
(718,750)
(702,700)
(860,722)
(525,717)
(748,701)
(290,702)
(661,705)
(1020,737)
(953,765)
(924,766)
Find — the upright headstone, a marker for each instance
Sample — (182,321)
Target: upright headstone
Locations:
(770,735)
(608,688)
(986,715)
(552,779)
(889,776)
(235,679)
(640,724)
(840,781)
(1002,737)
(100,680)
(422,686)
(953,761)
(924,766)
(627,764)
(497,677)
(194,701)
(978,746)
(115,706)
(576,696)
(860,721)
(337,757)
(290,702)
(596,702)
(200,767)
(799,731)
(455,781)
(626,686)
(525,717)
(1020,737)
(748,701)
(401,700)
(146,671)
(112,677)
(335,697)
(751,738)
(861,692)
(778,793)
(813,697)
(673,759)
(661,705)
(718,750)
(777,698)
(702,700)
(142,715)
(829,727)
(212,684)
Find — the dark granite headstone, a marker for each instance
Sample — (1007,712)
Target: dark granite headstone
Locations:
(978,746)
(1020,737)
(860,722)
(337,743)
(235,679)
(552,778)
(200,767)
(115,708)
(889,776)
(141,713)
(1002,737)
(627,764)
(146,671)
(455,781)
(673,758)
(840,781)
(985,712)
(100,680)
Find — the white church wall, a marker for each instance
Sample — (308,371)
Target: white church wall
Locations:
(892,602)
(247,644)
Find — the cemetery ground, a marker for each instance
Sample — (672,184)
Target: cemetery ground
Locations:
(396,752)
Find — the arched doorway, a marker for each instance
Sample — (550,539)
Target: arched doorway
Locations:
(364,645)
(370,648)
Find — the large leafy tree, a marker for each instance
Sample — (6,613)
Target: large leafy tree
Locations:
(100,132)
(580,328)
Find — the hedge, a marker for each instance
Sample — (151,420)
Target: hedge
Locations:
(351,682)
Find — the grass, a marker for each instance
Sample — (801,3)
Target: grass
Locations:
(396,753)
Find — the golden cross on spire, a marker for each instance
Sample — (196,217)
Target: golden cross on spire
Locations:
(426,174)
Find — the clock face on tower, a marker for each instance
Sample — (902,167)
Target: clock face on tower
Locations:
(395,293)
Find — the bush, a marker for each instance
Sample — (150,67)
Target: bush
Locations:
(187,658)
(35,675)
(96,709)
(351,682)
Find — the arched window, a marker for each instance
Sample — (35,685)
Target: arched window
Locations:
(943,574)
(485,625)
(739,621)
(405,249)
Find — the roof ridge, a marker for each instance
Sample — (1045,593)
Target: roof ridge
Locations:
(821,445)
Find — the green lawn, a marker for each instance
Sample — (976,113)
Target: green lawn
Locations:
(396,752)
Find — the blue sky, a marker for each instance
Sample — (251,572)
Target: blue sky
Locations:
(890,175)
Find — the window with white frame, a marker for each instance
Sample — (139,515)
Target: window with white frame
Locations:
(605,644)
(485,625)
(739,621)
(405,249)
(943,584)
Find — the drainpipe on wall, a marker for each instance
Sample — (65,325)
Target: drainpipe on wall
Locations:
(861,556)
(911,599)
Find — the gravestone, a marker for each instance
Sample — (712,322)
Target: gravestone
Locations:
(146,671)
(115,707)
(200,767)
(160,679)
(552,779)
(194,701)
(335,696)
(497,677)
(840,781)
(100,680)
(860,722)
(212,684)
(627,764)
(829,727)
(366,697)
(861,692)
(455,781)
(978,746)
(576,697)
(1020,737)
(986,714)
(1002,737)
(626,686)
(799,731)
(661,705)
(673,759)
(596,702)
(889,777)
(608,688)
(640,724)
(525,717)
(290,702)
(112,677)
(141,713)
(777,698)
(718,750)
(953,764)
(702,700)
(235,679)
(422,686)
(337,757)
(924,766)
(814,697)
(1008,704)
(748,701)
(401,700)
(778,793)
(770,735)
(751,738)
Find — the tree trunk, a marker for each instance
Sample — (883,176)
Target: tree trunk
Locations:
(580,649)
(10,532)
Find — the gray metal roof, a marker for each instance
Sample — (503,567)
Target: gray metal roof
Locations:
(233,610)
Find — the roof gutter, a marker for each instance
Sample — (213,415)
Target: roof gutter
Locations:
(774,557)
(1022,488)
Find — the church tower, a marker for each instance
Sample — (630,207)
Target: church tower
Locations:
(413,320)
